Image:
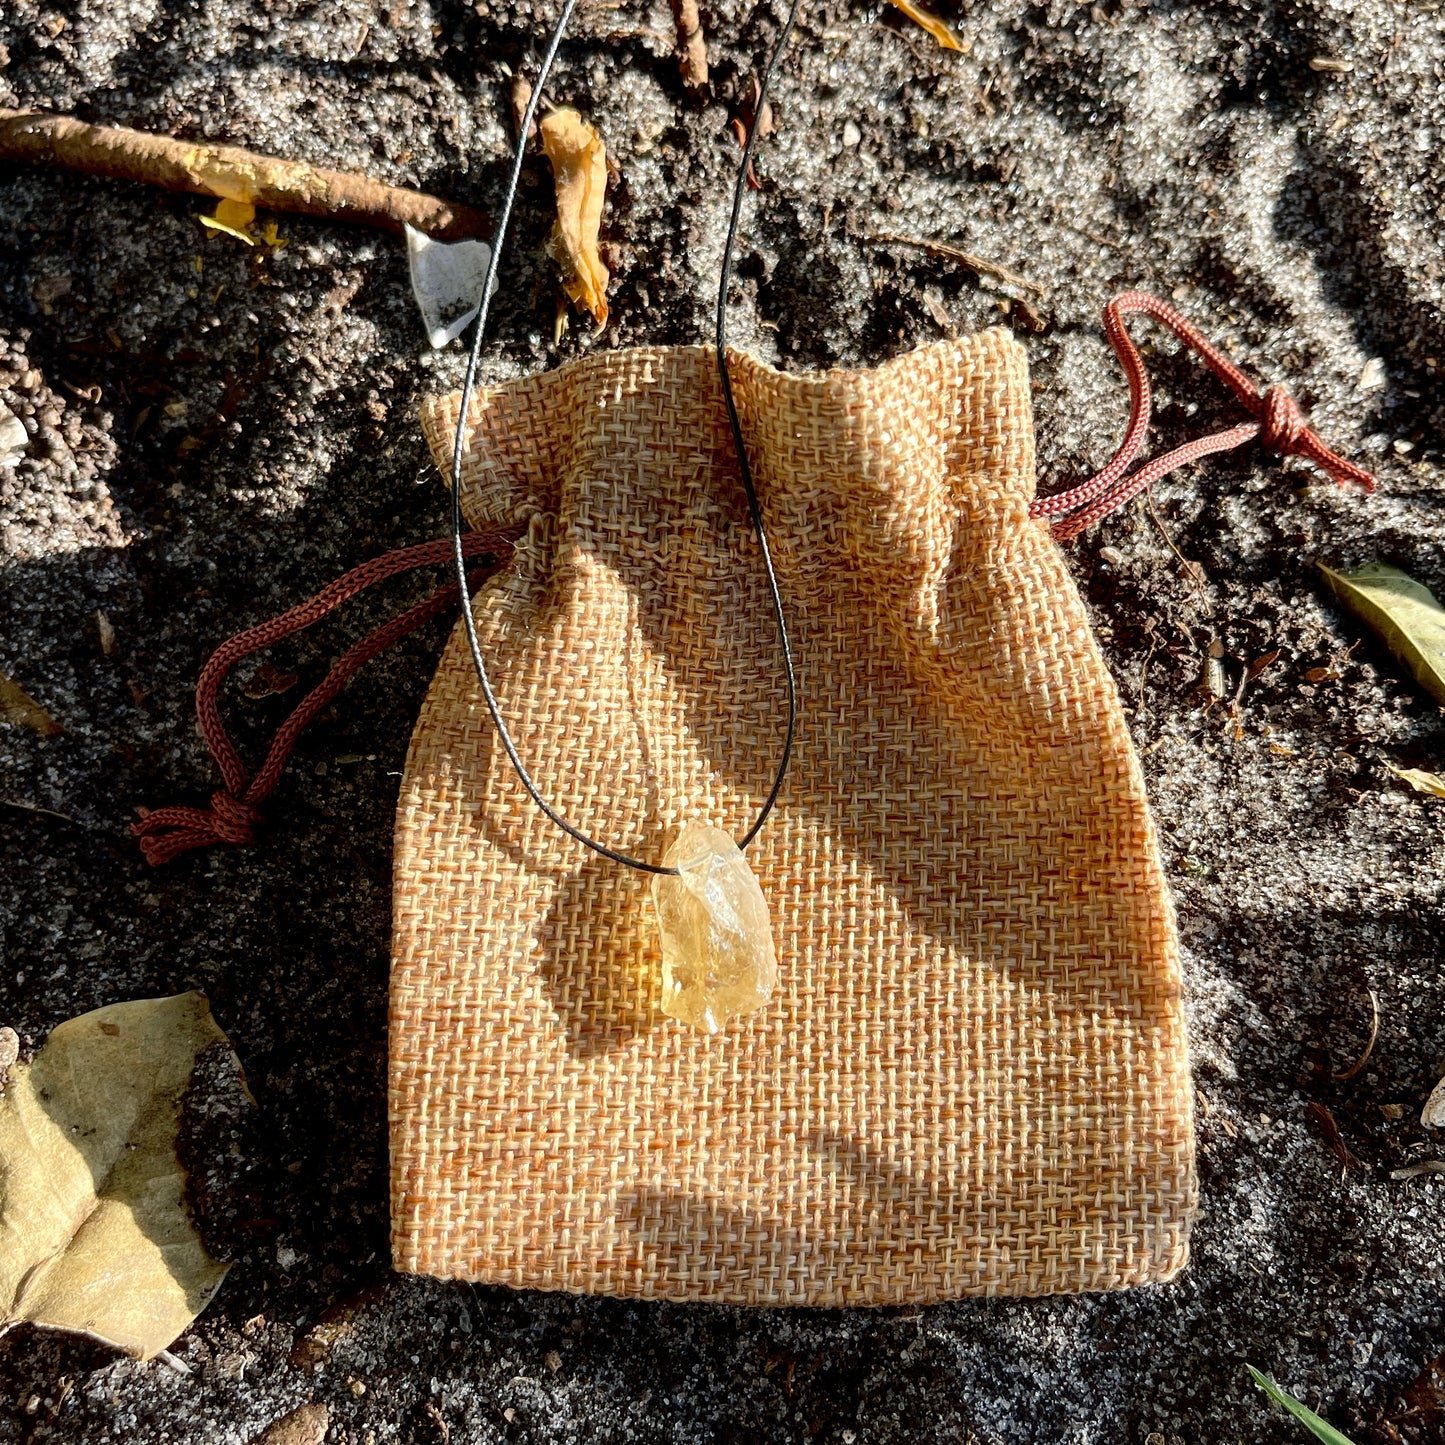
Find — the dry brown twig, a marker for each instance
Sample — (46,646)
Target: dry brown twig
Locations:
(1322,1116)
(1370,1045)
(974,263)
(230,173)
(35,808)
(1414,1171)
(691,44)
(1193,573)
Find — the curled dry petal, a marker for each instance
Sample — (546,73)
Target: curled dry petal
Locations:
(579,166)
(937,28)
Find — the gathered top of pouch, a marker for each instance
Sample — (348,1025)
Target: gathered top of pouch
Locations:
(971,1077)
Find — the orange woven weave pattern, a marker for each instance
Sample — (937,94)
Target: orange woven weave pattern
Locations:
(972,1077)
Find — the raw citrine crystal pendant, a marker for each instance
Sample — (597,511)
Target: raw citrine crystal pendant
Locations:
(717,941)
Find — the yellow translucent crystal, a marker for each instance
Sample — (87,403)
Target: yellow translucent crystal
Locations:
(717,941)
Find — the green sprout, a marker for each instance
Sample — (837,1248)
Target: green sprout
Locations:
(1320,1429)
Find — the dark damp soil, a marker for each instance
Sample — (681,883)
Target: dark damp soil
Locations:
(217,432)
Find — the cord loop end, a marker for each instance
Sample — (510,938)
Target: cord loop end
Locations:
(1279,426)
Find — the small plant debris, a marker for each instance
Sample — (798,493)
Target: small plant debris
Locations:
(88,1132)
(937,28)
(229,173)
(579,167)
(20,709)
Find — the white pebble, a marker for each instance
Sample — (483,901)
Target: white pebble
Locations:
(13,437)
(1373,377)
(446,277)
(1432,1116)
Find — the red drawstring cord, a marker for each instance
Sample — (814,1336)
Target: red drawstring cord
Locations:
(1278,425)
(235,812)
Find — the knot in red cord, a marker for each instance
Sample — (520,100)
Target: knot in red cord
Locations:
(1278,425)
(1282,428)
(233,819)
(233,816)
(166,833)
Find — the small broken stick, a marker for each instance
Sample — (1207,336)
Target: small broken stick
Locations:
(1322,1116)
(1414,1171)
(1364,1058)
(937,28)
(230,173)
(976,264)
(691,44)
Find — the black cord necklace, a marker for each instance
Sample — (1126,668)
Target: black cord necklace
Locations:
(754,510)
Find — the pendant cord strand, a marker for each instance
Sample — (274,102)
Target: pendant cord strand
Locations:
(744,466)
(755,511)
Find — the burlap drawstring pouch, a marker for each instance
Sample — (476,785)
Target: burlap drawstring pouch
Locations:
(972,1076)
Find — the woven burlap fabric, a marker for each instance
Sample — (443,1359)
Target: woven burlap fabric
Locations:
(972,1077)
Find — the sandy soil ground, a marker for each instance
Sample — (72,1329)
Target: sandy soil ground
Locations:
(217,432)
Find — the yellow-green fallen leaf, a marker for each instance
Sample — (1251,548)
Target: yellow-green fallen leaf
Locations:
(579,168)
(234,218)
(931,23)
(94,1234)
(1404,612)
(1421,781)
(18,707)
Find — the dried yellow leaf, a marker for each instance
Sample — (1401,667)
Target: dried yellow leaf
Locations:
(18,707)
(579,168)
(937,28)
(94,1234)
(1421,781)
(234,218)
